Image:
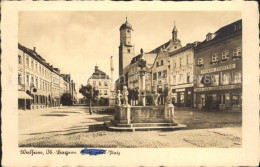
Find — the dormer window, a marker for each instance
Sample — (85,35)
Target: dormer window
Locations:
(225,55)
(210,36)
(200,61)
(214,58)
(237,52)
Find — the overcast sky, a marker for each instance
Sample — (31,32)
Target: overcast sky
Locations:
(76,41)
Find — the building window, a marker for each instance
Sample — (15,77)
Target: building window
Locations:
(157,64)
(45,74)
(128,50)
(100,83)
(200,61)
(161,62)
(100,92)
(106,83)
(214,58)
(27,79)
(36,82)
(154,76)
(159,75)
(237,77)
(164,73)
(237,52)
(36,66)
(19,79)
(32,64)
(105,92)
(32,80)
(180,62)
(225,78)
(94,83)
(27,61)
(215,80)
(225,55)
(187,59)
(19,59)
(180,78)
(188,78)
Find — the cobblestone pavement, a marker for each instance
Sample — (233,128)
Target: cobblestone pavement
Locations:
(74,127)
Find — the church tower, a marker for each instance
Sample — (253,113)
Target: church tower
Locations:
(126,48)
(174,33)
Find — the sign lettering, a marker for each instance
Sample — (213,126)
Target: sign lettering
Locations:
(222,68)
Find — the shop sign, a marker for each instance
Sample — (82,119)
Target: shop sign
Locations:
(21,87)
(218,88)
(180,90)
(222,68)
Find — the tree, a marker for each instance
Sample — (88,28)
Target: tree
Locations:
(90,93)
(66,99)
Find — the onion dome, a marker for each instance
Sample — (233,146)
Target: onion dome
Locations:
(126,25)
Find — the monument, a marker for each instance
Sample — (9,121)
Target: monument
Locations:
(131,118)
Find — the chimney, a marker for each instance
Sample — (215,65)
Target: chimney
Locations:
(34,49)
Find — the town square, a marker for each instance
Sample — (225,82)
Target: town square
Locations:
(122,83)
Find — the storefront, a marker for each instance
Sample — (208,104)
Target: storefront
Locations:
(219,98)
(24,101)
(183,97)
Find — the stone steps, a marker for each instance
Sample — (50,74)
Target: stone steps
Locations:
(144,126)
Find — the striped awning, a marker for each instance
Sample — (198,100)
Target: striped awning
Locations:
(23,95)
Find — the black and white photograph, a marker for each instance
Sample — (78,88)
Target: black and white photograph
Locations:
(92,82)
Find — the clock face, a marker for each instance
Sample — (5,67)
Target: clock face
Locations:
(128,31)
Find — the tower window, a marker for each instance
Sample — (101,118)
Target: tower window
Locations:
(128,50)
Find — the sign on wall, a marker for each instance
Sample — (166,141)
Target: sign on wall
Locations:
(222,68)
(218,88)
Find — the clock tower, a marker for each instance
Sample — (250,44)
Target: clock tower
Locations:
(126,48)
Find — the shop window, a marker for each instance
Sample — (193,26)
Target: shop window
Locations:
(182,97)
(19,59)
(237,52)
(225,55)
(235,99)
(19,79)
(200,61)
(100,83)
(214,58)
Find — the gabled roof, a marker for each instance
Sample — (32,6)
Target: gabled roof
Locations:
(188,46)
(98,74)
(224,31)
(165,45)
(165,55)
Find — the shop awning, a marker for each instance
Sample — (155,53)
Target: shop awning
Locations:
(23,95)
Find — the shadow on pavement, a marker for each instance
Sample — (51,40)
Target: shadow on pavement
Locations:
(55,115)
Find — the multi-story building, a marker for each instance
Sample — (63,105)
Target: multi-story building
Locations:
(55,87)
(39,84)
(218,68)
(101,81)
(181,75)
(34,80)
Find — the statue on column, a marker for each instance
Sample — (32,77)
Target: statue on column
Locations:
(118,98)
(155,98)
(169,97)
(125,96)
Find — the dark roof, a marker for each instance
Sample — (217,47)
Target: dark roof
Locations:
(224,31)
(35,55)
(125,26)
(98,74)
(165,45)
(188,46)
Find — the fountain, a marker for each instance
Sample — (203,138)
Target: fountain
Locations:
(131,118)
